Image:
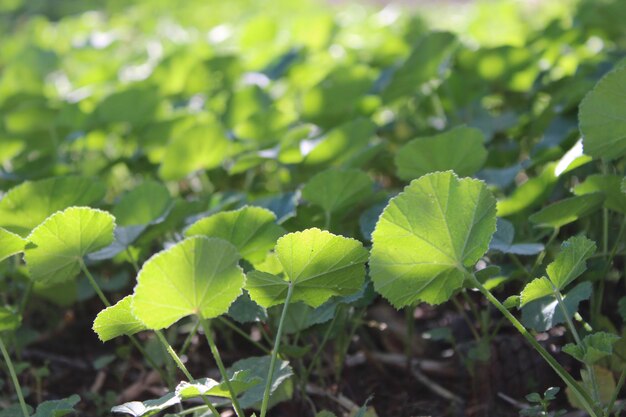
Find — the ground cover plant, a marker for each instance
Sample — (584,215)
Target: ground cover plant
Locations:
(311,209)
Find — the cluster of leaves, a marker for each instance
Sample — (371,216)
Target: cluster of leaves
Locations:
(243,170)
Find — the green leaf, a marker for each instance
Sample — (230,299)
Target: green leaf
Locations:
(57,408)
(57,246)
(142,205)
(201,147)
(428,235)
(460,149)
(149,407)
(530,194)
(610,185)
(244,310)
(10,244)
(567,210)
(259,367)
(199,275)
(596,346)
(534,290)
(317,263)
(117,320)
(601,117)
(502,241)
(334,189)
(30,203)
(571,261)
(10,319)
(14,410)
(240,382)
(544,313)
(252,230)
(428,57)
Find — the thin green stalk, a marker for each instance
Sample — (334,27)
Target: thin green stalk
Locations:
(133,339)
(327,219)
(183,368)
(542,254)
(279,333)
(465,317)
(220,366)
(600,293)
(592,373)
(132,260)
(618,388)
(26,296)
(16,382)
(243,334)
(189,338)
(582,395)
(94,284)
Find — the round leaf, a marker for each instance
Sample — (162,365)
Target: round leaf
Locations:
(142,205)
(253,230)
(117,320)
(58,244)
(10,244)
(460,149)
(428,235)
(568,210)
(601,117)
(334,190)
(196,276)
(30,203)
(317,263)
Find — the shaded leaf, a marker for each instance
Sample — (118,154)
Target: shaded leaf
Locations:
(544,313)
(609,185)
(334,190)
(10,319)
(460,150)
(568,210)
(142,205)
(596,346)
(57,408)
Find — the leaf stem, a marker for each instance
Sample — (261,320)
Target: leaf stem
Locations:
(16,382)
(183,368)
(279,333)
(568,320)
(618,388)
(244,334)
(220,365)
(582,395)
(94,284)
(132,338)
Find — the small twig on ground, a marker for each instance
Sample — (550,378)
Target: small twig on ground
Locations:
(339,398)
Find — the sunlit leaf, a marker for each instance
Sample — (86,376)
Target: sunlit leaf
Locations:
(30,203)
(10,244)
(199,275)
(317,263)
(252,230)
(426,237)
(117,320)
(57,408)
(601,117)
(56,246)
